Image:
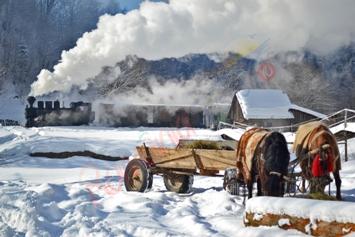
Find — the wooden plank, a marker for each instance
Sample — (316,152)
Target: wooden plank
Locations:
(198,161)
(173,157)
(217,159)
(186,159)
(169,157)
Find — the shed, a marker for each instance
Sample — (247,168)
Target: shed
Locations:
(267,108)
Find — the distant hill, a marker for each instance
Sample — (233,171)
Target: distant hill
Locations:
(323,83)
(34,33)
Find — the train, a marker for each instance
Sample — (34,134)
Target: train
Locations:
(51,113)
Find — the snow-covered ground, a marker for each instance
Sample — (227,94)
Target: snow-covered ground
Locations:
(80,196)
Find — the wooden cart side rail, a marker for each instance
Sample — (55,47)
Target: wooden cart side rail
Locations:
(229,160)
(202,159)
(223,161)
(169,157)
(198,161)
(174,157)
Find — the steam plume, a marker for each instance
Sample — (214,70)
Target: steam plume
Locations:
(196,91)
(158,30)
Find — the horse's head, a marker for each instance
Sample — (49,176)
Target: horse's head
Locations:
(276,159)
(322,163)
(321,158)
(274,184)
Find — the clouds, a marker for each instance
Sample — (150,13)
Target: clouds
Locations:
(159,30)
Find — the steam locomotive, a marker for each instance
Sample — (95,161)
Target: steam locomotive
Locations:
(50,113)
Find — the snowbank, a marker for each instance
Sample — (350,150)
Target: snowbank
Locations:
(80,196)
(303,208)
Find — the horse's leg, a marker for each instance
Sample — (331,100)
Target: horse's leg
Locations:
(250,188)
(259,193)
(283,189)
(337,183)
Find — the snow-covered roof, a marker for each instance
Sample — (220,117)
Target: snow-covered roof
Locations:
(308,111)
(341,127)
(264,104)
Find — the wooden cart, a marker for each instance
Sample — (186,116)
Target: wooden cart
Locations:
(176,165)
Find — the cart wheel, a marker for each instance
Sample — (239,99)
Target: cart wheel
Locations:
(150,182)
(178,183)
(137,176)
(230,182)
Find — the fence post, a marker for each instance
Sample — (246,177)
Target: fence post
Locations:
(346,145)
(346,135)
(346,119)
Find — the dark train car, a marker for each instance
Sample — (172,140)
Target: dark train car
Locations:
(50,113)
(150,115)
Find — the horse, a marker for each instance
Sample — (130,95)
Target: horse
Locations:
(317,152)
(263,157)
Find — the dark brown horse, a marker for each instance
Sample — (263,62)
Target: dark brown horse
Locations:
(317,151)
(263,157)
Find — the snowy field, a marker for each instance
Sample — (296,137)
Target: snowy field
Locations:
(81,196)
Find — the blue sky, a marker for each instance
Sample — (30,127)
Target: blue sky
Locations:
(133,4)
(129,4)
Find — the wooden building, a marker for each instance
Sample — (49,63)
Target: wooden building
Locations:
(267,108)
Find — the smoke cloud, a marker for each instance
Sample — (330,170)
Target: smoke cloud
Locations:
(195,94)
(196,91)
(158,30)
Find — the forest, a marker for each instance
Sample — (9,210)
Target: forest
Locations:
(33,34)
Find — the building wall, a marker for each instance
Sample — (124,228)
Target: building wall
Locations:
(269,122)
(301,116)
(235,113)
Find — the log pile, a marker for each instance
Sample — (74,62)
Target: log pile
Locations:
(314,217)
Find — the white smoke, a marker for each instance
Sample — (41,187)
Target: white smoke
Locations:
(172,95)
(196,91)
(158,30)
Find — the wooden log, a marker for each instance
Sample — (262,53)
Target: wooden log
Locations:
(314,217)
(68,154)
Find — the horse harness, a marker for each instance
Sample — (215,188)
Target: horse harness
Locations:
(246,151)
(322,152)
